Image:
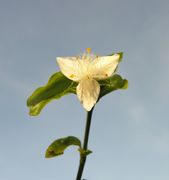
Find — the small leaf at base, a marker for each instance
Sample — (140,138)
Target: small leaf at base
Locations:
(84,152)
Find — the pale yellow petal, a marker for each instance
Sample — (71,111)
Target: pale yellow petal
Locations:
(69,67)
(103,67)
(88,92)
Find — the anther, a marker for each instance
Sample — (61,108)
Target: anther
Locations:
(88,50)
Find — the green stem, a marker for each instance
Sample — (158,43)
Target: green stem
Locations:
(85,145)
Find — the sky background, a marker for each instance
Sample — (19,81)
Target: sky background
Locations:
(130,128)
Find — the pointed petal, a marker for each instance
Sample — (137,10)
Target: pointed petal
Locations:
(69,67)
(104,67)
(88,92)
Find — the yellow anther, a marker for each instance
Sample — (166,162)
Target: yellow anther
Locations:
(88,50)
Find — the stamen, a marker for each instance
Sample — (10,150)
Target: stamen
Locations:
(84,56)
(88,50)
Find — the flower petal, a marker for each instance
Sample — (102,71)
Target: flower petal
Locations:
(104,67)
(69,67)
(88,92)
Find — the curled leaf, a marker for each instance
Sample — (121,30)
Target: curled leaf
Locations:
(111,84)
(58,147)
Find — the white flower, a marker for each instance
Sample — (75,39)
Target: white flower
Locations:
(86,70)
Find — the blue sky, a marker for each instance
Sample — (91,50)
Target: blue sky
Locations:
(130,129)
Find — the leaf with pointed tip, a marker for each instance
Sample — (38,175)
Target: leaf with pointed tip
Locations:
(111,84)
(84,152)
(57,86)
(58,147)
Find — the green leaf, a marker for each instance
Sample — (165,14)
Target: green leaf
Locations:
(111,84)
(57,86)
(58,147)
